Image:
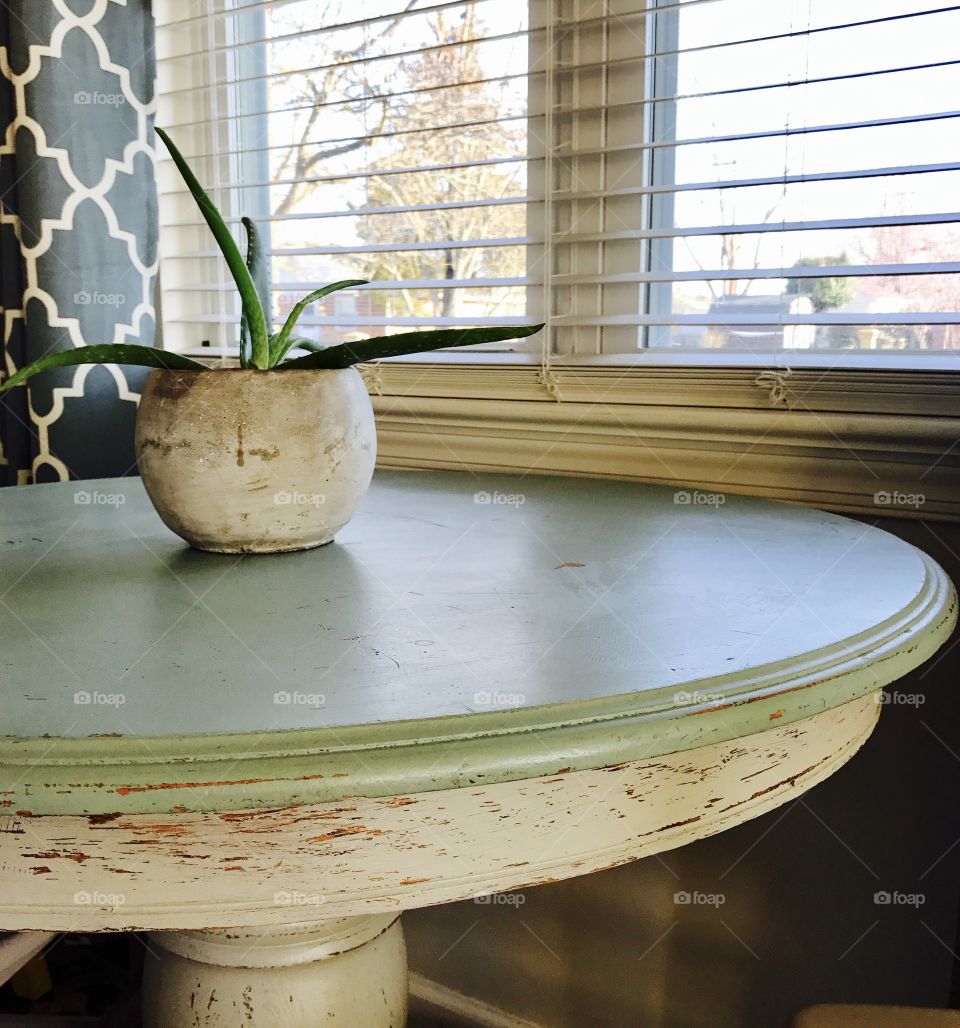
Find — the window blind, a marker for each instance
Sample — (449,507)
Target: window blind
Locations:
(384,140)
(724,174)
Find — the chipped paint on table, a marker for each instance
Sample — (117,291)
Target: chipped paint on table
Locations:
(370,855)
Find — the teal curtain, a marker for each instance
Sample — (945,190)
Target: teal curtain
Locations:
(78,228)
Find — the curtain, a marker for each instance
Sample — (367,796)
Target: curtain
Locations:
(78,228)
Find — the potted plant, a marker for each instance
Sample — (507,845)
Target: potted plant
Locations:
(266,453)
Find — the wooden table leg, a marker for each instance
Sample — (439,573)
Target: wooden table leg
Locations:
(348,971)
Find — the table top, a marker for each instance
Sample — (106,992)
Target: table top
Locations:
(461,628)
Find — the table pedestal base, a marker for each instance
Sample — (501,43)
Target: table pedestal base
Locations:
(349,971)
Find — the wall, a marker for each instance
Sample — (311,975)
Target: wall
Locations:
(799,923)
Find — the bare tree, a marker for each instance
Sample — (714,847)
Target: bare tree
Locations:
(434,97)
(343,81)
(906,244)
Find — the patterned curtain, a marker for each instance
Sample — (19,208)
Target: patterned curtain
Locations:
(78,228)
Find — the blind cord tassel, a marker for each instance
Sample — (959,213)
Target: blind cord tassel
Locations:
(372,378)
(776,382)
(550,382)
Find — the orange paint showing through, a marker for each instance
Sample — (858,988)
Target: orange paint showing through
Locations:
(102,819)
(246,815)
(350,830)
(125,790)
(711,710)
(278,819)
(74,855)
(166,829)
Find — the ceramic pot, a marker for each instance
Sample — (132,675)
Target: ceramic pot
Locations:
(244,461)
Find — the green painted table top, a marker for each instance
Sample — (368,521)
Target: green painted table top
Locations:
(461,628)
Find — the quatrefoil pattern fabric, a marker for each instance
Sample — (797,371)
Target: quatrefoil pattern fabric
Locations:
(78,228)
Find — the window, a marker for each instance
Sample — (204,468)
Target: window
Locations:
(804,176)
(736,176)
(377,139)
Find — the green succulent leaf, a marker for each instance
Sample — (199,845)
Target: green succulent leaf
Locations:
(347,354)
(259,268)
(107,353)
(307,344)
(281,343)
(259,272)
(252,310)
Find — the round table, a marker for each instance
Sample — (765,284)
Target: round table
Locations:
(484,684)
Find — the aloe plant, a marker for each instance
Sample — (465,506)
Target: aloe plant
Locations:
(261,348)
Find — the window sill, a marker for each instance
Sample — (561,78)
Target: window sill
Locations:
(861,440)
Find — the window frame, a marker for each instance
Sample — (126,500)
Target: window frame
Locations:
(828,430)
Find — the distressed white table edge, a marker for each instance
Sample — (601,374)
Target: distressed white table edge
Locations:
(362,855)
(315,890)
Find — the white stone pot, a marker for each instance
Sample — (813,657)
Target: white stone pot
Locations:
(244,461)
